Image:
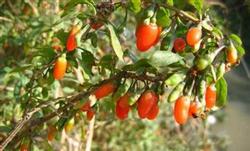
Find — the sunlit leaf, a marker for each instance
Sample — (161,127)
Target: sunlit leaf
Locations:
(115,42)
(221,90)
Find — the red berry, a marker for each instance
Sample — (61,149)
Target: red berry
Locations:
(124,101)
(104,90)
(121,113)
(193,109)
(179,45)
(90,114)
(122,107)
(146,36)
(145,103)
(158,36)
(210,96)
(71,43)
(153,112)
(86,106)
(181,109)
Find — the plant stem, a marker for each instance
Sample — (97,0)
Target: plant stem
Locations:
(72,100)
(181,13)
(90,133)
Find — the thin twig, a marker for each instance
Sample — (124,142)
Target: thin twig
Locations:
(5,19)
(71,101)
(90,133)
(181,13)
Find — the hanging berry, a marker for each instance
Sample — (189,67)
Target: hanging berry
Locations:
(153,112)
(146,36)
(122,107)
(181,109)
(145,103)
(210,96)
(60,67)
(179,45)
(104,90)
(71,41)
(193,36)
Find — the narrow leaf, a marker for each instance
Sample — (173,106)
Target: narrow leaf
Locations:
(135,5)
(115,42)
(162,17)
(236,39)
(198,4)
(221,89)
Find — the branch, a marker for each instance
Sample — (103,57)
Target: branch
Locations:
(181,13)
(72,100)
(5,19)
(90,133)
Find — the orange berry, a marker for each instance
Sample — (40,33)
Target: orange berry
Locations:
(232,55)
(104,90)
(193,36)
(181,109)
(60,67)
(210,96)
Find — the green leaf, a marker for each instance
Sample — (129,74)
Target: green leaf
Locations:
(71,4)
(5,129)
(61,122)
(165,43)
(241,51)
(108,61)
(135,5)
(176,92)
(87,62)
(163,17)
(115,42)
(122,89)
(163,58)
(17,90)
(236,39)
(174,79)
(170,2)
(62,36)
(139,66)
(217,32)
(198,4)
(180,3)
(221,89)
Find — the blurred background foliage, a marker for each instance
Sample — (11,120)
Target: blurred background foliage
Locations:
(26,34)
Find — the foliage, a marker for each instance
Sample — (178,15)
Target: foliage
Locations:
(35,34)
